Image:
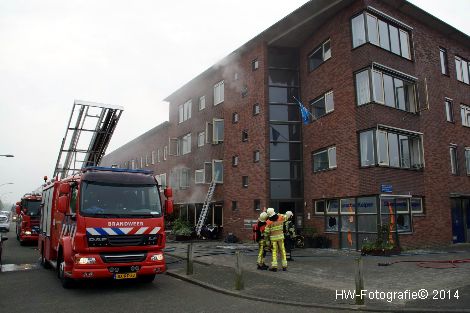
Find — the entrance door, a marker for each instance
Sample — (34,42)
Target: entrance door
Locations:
(286,206)
(466,213)
(458,227)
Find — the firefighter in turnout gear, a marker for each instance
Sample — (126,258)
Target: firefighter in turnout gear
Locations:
(289,234)
(258,233)
(275,235)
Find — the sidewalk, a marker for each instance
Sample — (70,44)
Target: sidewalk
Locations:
(317,277)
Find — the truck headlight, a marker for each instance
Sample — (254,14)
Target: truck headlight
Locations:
(85,260)
(157,257)
(27,232)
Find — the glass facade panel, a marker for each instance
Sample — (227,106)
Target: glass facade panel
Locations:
(404,151)
(394,39)
(285,189)
(358,31)
(383,32)
(282,95)
(400,94)
(283,78)
(286,170)
(366,205)
(367,223)
(405,44)
(372,29)
(285,132)
(378,86)
(367,148)
(362,87)
(315,59)
(285,151)
(284,113)
(320,161)
(393,150)
(389,91)
(318,107)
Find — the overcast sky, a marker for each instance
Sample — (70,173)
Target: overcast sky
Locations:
(121,52)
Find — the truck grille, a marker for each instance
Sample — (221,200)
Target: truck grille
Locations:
(125,240)
(127,257)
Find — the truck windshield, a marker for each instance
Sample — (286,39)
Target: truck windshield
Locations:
(32,207)
(117,200)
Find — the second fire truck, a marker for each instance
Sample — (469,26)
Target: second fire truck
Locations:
(27,222)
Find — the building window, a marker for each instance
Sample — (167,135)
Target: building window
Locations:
(234,206)
(185,178)
(416,205)
(218,131)
(319,207)
(467,159)
(256,109)
(185,144)
(146,160)
(158,155)
(449,110)
(219,93)
(165,153)
(235,160)
(174,179)
(324,160)
(235,117)
(185,111)
(218,171)
(245,181)
(202,103)
(257,205)
(443,58)
(153,157)
(199,176)
(245,135)
(465,115)
(244,91)
(133,164)
(201,136)
(256,156)
(319,55)
(163,180)
(462,69)
(254,65)
(141,162)
(399,150)
(322,105)
(386,89)
(380,33)
(453,160)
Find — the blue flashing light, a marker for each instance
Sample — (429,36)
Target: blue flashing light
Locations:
(115,169)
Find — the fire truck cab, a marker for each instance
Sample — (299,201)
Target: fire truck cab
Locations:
(104,223)
(27,222)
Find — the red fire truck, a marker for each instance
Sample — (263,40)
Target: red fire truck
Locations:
(100,222)
(104,223)
(27,222)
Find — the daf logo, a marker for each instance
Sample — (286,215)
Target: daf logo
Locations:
(98,239)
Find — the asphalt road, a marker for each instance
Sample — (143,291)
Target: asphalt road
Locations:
(38,290)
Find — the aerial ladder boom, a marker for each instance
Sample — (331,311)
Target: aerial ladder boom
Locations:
(90,128)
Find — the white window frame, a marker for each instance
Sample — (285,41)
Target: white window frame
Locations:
(467,159)
(163,181)
(202,103)
(328,152)
(454,162)
(421,205)
(165,153)
(186,144)
(200,143)
(235,160)
(316,207)
(448,105)
(153,157)
(215,139)
(219,93)
(158,155)
(199,172)
(184,183)
(213,171)
(465,115)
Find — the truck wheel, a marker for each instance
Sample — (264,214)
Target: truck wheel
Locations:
(147,278)
(67,283)
(22,242)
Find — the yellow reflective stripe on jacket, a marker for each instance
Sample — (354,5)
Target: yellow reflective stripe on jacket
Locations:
(275,231)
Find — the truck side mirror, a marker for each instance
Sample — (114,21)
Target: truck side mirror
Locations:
(64,189)
(168,207)
(62,205)
(18,210)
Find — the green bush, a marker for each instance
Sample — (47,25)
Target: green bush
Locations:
(181,227)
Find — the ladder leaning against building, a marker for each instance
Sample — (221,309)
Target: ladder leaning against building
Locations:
(205,208)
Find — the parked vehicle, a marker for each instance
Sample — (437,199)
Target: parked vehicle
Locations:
(27,223)
(104,223)
(2,239)
(5,220)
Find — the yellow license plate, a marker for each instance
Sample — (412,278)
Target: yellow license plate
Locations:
(125,276)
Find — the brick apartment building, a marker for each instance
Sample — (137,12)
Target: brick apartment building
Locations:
(388,88)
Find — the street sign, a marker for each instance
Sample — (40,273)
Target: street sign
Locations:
(386,188)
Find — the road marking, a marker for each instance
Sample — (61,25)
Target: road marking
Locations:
(18,267)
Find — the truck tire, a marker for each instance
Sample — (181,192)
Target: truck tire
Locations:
(147,278)
(67,283)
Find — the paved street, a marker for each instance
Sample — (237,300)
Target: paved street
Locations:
(38,290)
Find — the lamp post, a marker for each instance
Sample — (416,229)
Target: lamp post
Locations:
(7,155)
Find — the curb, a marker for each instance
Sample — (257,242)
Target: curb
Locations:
(359,308)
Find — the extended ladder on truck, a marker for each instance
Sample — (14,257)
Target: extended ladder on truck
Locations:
(90,128)
(205,208)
